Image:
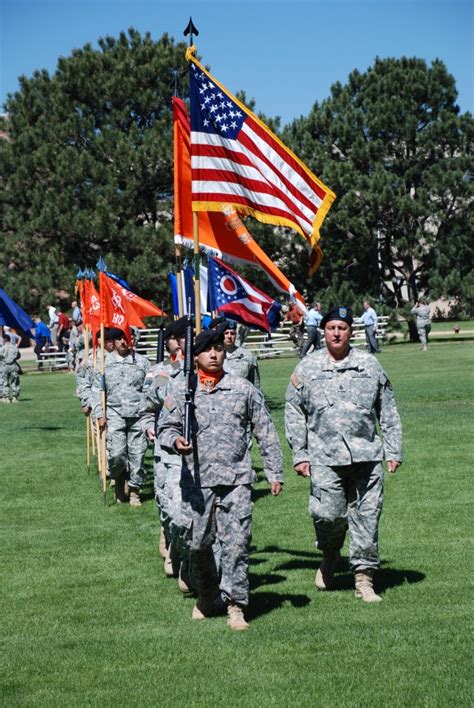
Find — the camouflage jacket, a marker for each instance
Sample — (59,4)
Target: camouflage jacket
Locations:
(422,314)
(331,412)
(220,433)
(242,362)
(162,377)
(9,354)
(123,383)
(88,376)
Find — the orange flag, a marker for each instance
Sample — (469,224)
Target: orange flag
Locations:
(121,308)
(221,234)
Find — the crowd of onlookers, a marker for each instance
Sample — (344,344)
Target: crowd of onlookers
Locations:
(60,334)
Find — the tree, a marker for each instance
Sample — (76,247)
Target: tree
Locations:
(88,169)
(392,145)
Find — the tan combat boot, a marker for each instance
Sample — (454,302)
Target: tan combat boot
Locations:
(204,605)
(184,583)
(168,564)
(135,497)
(162,544)
(14,399)
(324,579)
(364,583)
(236,619)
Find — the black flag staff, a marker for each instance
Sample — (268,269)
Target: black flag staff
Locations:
(192,30)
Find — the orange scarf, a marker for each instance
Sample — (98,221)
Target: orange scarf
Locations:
(208,381)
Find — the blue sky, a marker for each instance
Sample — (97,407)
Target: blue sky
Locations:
(284,53)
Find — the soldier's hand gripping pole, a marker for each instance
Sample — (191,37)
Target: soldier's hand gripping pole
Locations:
(188,372)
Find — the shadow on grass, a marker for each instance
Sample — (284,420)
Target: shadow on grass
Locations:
(275,404)
(265,579)
(259,493)
(43,427)
(261,603)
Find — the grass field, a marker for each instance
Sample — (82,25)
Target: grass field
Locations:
(89,619)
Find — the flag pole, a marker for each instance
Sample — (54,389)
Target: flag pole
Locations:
(101,451)
(197,284)
(88,427)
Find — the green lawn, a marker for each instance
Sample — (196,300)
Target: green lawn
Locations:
(90,619)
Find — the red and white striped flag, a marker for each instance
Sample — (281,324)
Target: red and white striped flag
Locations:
(237,160)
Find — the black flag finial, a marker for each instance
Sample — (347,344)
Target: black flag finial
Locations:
(191,29)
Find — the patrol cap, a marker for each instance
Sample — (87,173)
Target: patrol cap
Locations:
(208,337)
(337,313)
(177,328)
(113,333)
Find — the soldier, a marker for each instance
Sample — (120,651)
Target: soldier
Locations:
(333,403)
(217,474)
(423,322)
(10,371)
(86,373)
(167,465)
(124,377)
(238,361)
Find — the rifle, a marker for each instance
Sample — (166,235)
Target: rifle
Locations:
(189,374)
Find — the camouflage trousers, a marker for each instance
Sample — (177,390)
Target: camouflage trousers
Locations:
(423,332)
(348,497)
(126,447)
(225,514)
(173,517)
(9,381)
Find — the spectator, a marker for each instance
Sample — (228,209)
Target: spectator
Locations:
(312,320)
(53,323)
(296,333)
(64,331)
(370,321)
(42,337)
(76,313)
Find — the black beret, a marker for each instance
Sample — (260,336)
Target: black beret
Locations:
(208,337)
(177,328)
(337,313)
(113,333)
(217,321)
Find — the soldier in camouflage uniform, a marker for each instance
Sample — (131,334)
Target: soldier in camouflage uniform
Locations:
(167,465)
(217,473)
(86,373)
(238,360)
(423,322)
(123,380)
(333,404)
(9,371)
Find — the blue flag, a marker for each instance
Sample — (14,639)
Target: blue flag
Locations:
(13,316)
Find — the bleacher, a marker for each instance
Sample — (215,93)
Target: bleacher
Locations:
(278,344)
(52,360)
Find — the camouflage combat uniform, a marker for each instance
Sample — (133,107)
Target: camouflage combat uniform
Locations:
(9,371)
(242,362)
(126,442)
(423,322)
(166,464)
(331,416)
(217,476)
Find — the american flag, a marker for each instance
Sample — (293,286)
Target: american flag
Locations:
(237,160)
(232,295)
